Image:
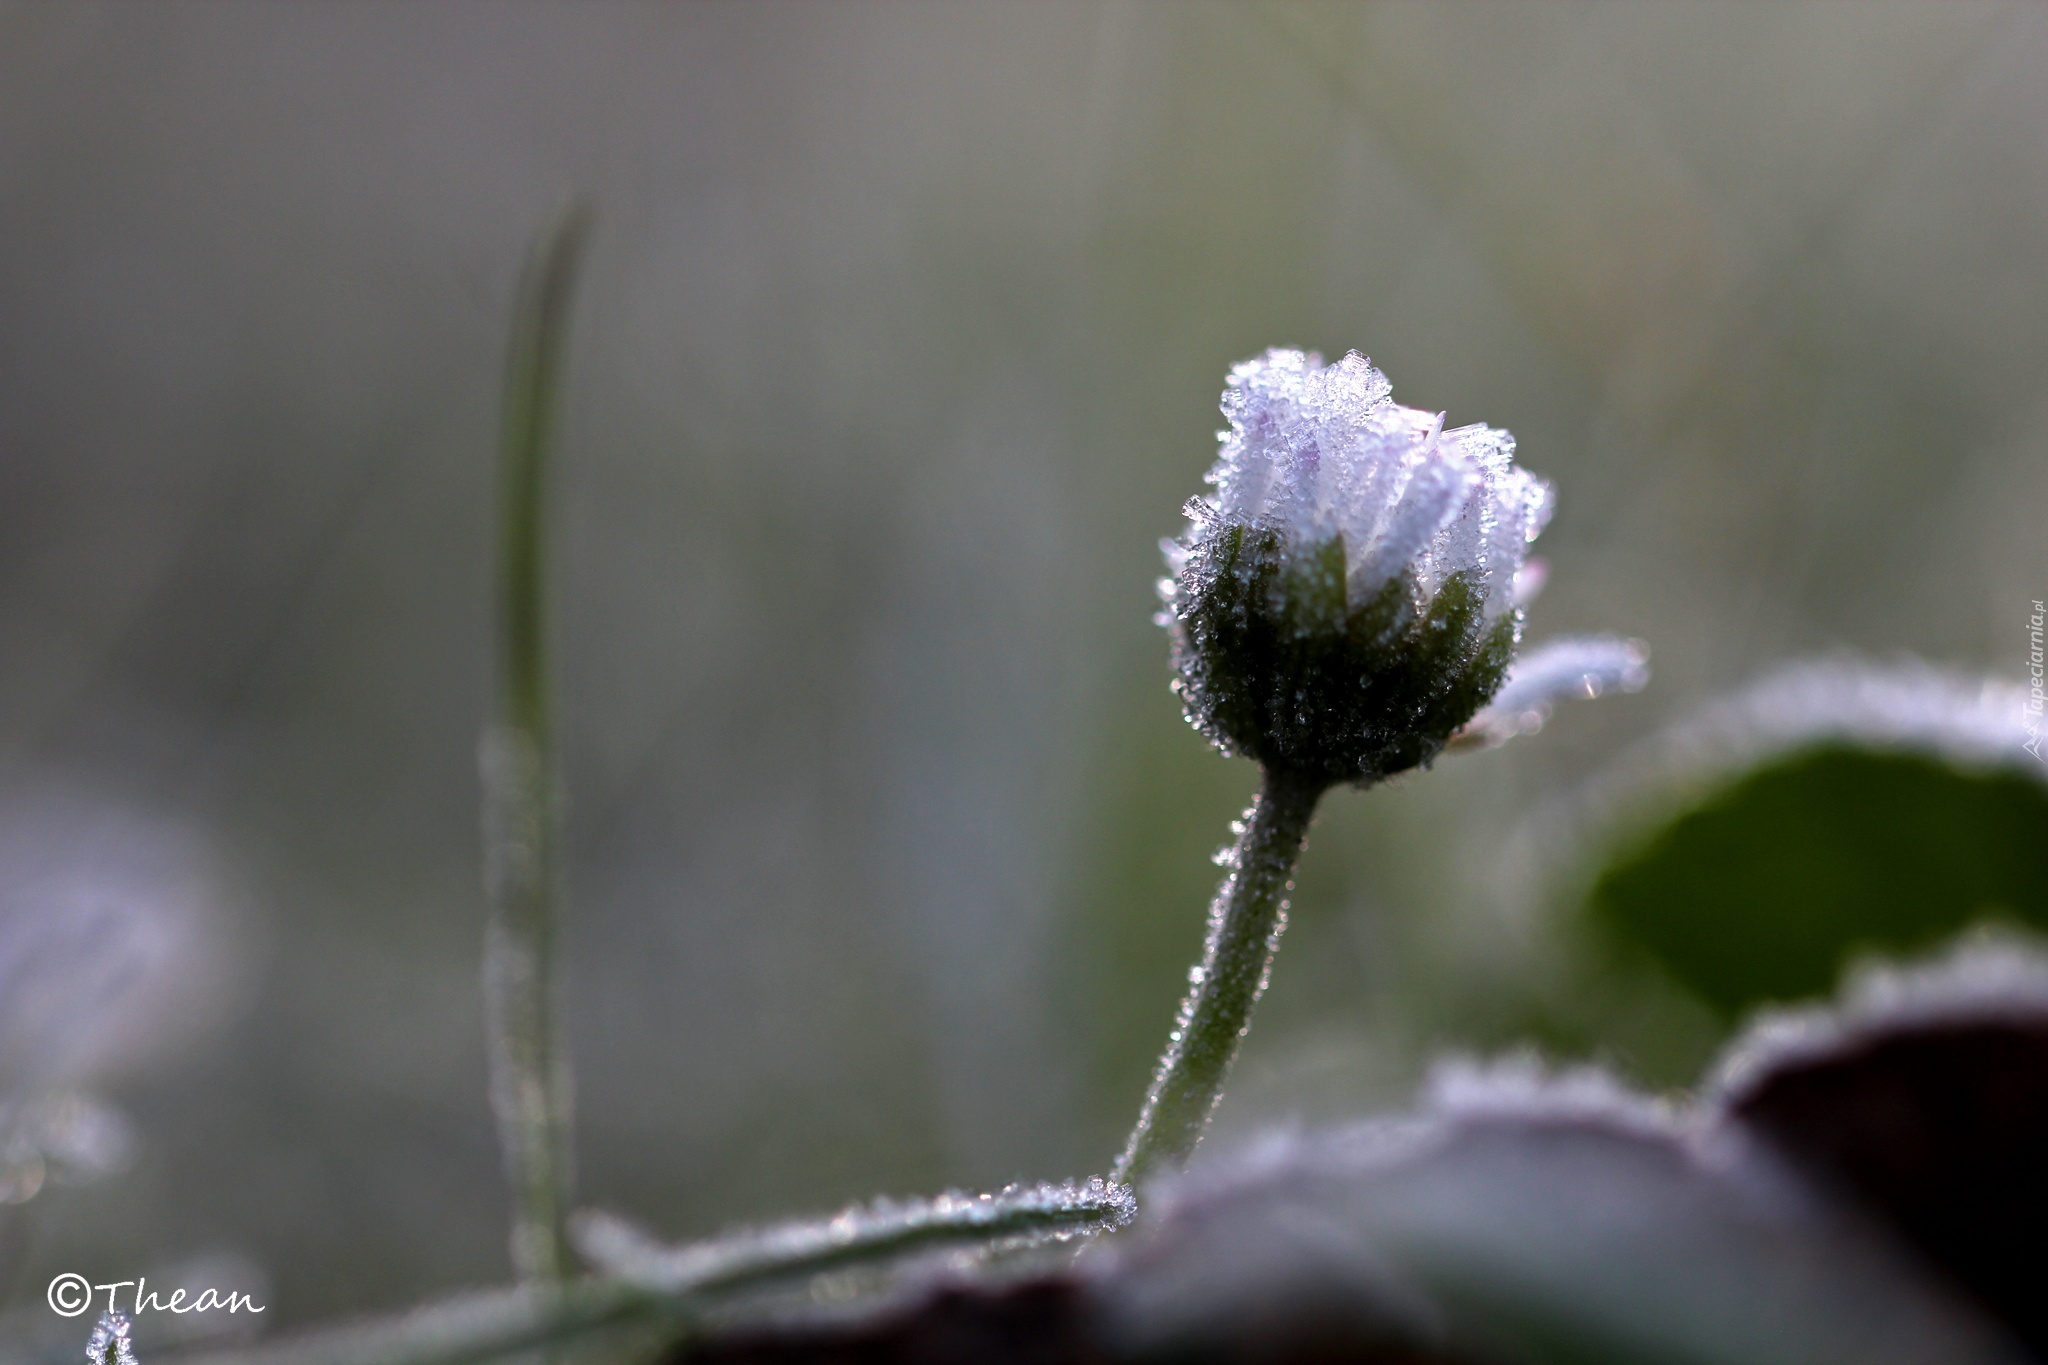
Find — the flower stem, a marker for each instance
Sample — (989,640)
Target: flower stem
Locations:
(529,1064)
(860,1235)
(1245,921)
(673,1290)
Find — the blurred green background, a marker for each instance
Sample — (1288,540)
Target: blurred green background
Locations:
(898,351)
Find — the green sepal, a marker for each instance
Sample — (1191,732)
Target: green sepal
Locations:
(1277,662)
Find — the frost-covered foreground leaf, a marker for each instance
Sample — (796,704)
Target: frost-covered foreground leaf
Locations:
(647,1292)
(1924,1097)
(1546,1236)
(1831,809)
(1860,1184)
(1553,1235)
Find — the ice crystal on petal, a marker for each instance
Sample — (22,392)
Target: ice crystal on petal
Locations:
(109,1343)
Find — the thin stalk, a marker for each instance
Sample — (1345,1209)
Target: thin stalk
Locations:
(871,1235)
(530,1087)
(671,1288)
(1245,923)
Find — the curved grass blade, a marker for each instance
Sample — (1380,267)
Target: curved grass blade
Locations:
(530,1086)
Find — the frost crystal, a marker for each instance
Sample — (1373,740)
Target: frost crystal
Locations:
(1347,597)
(109,1344)
(1521,1087)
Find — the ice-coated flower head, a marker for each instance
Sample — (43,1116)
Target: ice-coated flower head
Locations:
(1345,599)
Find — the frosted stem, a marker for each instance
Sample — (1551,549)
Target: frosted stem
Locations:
(1245,922)
(862,1235)
(668,1290)
(529,1065)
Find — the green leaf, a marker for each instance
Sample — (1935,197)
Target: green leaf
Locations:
(1828,813)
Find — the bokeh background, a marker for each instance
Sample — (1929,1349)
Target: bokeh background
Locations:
(898,351)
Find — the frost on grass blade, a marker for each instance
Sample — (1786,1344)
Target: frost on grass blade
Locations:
(862,1233)
(646,1284)
(529,1060)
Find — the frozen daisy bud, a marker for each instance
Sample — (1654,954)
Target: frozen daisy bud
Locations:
(1345,600)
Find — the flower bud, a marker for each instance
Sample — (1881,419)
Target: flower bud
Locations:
(1345,599)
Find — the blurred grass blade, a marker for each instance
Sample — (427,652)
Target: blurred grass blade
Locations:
(491,1324)
(530,1088)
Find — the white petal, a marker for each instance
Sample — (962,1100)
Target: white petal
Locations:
(1437,492)
(1314,451)
(1575,666)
